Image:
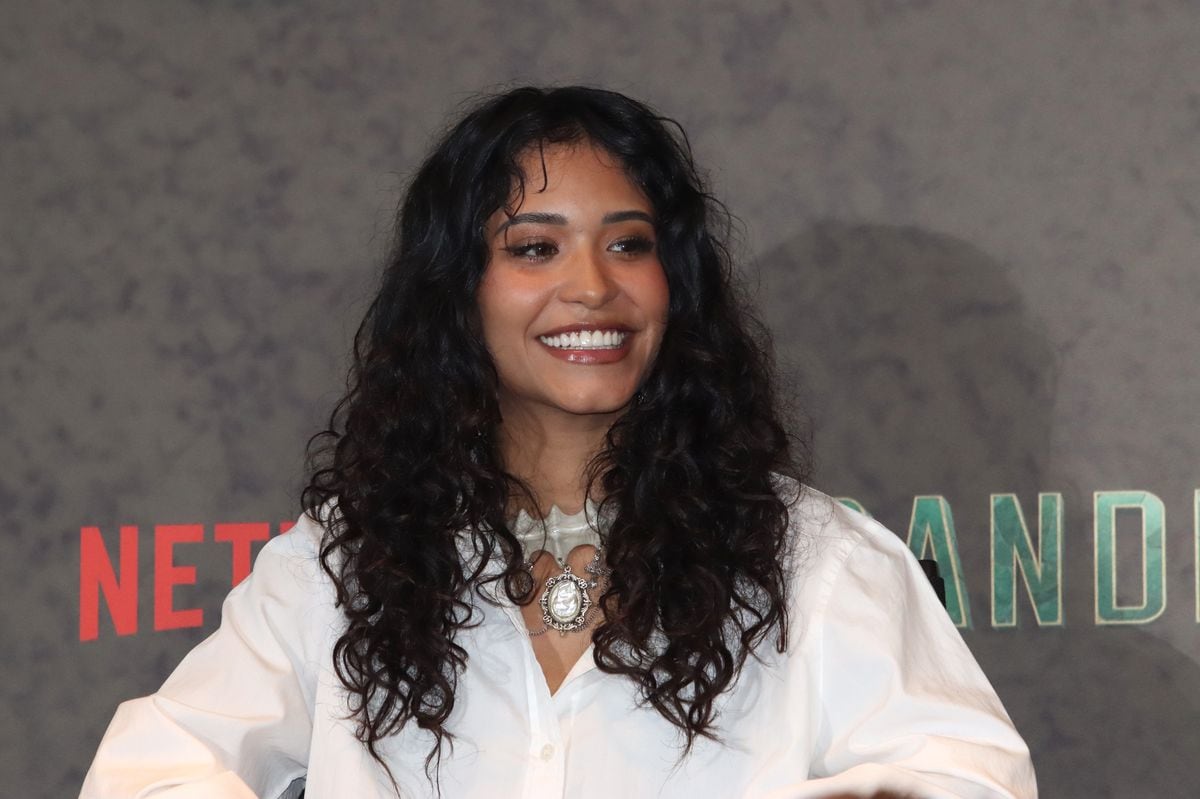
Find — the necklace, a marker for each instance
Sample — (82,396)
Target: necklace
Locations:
(565,601)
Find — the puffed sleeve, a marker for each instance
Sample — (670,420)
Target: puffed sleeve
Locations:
(904,705)
(235,718)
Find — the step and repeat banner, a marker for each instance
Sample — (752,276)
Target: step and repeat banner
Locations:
(972,228)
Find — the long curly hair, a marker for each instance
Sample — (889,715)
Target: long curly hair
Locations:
(411,462)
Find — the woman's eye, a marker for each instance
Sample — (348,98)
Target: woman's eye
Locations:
(532,251)
(632,245)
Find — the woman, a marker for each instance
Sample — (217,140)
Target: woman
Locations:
(548,547)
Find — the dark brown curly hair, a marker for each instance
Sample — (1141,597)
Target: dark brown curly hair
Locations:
(411,462)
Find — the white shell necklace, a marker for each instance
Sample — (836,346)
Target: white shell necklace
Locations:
(565,601)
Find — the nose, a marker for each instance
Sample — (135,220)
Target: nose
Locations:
(588,281)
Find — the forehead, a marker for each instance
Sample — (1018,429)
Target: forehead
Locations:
(576,173)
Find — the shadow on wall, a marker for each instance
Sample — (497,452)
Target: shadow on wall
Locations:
(923,374)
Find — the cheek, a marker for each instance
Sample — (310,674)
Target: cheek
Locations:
(492,317)
(656,296)
(507,308)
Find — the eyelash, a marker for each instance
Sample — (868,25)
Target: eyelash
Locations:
(534,251)
(636,245)
(538,251)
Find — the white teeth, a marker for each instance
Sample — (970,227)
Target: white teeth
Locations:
(585,340)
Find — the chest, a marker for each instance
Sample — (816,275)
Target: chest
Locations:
(591,737)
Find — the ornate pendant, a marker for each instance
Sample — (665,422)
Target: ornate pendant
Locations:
(565,602)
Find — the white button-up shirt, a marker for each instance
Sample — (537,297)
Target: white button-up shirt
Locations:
(875,691)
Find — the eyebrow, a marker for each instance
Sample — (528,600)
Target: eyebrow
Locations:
(541,218)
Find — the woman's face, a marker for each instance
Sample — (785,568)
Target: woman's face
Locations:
(573,300)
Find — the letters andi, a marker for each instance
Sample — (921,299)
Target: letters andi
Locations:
(1013,553)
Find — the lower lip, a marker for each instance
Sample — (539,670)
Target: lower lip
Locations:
(590,357)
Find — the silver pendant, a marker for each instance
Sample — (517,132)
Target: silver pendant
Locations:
(565,602)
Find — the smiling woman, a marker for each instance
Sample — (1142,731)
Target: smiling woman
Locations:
(555,542)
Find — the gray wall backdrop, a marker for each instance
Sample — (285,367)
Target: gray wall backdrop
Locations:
(973,228)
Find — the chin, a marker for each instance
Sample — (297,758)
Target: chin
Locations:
(597,405)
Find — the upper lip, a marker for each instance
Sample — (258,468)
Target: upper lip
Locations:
(579,327)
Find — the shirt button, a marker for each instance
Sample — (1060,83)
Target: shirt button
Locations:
(547,752)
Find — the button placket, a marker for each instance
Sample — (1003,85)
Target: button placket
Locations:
(546,775)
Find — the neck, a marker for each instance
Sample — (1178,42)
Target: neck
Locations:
(550,453)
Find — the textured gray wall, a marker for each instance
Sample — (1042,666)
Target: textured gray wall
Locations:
(973,228)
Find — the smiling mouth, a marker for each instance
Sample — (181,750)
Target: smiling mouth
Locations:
(586,340)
